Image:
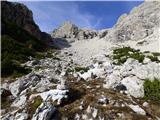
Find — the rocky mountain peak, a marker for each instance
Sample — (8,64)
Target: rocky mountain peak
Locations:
(67,30)
(138,24)
(70,31)
(68,24)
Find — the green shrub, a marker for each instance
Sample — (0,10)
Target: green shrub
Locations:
(32,106)
(153,58)
(39,56)
(152,90)
(12,54)
(22,36)
(37,102)
(141,42)
(56,58)
(78,69)
(138,56)
(18,44)
(156,54)
(84,69)
(69,70)
(122,54)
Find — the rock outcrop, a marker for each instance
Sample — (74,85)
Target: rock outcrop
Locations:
(20,15)
(138,24)
(70,31)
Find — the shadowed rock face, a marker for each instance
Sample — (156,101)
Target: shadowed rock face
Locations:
(20,15)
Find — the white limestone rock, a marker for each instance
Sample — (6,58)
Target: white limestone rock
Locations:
(97,72)
(54,95)
(21,116)
(146,60)
(95,112)
(112,80)
(44,112)
(145,104)
(16,87)
(134,86)
(150,70)
(103,100)
(137,25)
(137,109)
(20,101)
(22,83)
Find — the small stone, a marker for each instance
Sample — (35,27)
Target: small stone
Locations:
(137,109)
(95,112)
(146,60)
(103,100)
(21,116)
(145,104)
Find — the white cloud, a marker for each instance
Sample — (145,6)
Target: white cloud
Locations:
(49,15)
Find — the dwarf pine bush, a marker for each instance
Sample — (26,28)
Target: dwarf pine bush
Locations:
(152,90)
(122,54)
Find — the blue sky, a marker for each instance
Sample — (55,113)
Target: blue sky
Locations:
(98,15)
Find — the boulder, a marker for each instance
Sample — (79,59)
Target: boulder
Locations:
(20,101)
(55,95)
(22,83)
(134,86)
(16,87)
(21,116)
(45,111)
(112,80)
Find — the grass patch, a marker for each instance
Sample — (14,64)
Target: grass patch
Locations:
(69,70)
(84,69)
(153,58)
(12,55)
(122,54)
(141,42)
(152,90)
(17,45)
(78,69)
(156,54)
(34,105)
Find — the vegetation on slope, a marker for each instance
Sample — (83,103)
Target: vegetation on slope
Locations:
(152,90)
(17,45)
(122,54)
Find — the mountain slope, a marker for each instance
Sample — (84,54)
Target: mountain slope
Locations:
(141,22)
(21,37)
(23,17)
